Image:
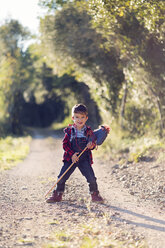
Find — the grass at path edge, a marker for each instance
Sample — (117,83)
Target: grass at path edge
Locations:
(13,150)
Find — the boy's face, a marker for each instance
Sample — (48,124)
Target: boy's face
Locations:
(79,119)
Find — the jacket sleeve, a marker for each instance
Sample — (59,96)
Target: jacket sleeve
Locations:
(91,137)
(67,145)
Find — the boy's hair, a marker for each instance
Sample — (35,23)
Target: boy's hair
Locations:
(79,108)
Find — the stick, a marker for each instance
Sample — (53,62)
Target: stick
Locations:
(65,172)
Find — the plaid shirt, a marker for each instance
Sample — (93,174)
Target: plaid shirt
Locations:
(68,151)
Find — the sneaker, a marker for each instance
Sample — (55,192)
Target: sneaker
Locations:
(96,197)
(56,197)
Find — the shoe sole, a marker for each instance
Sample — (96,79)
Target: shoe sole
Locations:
(98,201)
(52,201)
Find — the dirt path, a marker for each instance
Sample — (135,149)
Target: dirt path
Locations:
(26,220)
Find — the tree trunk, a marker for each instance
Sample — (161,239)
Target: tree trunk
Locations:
(162,125)
(16,123)
(123,103)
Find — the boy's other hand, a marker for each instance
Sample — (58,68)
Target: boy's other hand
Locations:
(107,128)
(75,157)
(90,145)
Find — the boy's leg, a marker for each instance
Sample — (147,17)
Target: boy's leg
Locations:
(87,171)
(61,184)
(58,192)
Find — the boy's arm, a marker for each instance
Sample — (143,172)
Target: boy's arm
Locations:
(91,140)
(67,145)
(91,145)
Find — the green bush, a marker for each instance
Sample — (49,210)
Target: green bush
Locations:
(13,150)
(139,120)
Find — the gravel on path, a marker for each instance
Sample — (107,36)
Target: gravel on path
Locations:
(27,220)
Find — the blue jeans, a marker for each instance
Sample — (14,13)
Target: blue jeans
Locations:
(85,169)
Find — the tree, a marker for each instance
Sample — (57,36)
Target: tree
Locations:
(137,27)
(109,44)
(78,48)
(13,75)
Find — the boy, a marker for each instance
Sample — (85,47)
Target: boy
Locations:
(77,137)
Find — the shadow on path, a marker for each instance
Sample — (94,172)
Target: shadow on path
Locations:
(117,218)
(147,218)
(141,216)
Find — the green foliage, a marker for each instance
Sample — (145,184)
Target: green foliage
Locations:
(53,4)
(12,33)
(13,75)
(131,148)
(104,43)
(138,119)
(89,236)
(115,47)
(146,146)
(80,50)
(135,28)
(13,150)
(70,92)
(88,242)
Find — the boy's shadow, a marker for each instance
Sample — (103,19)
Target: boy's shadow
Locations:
(118,218)
(141,216)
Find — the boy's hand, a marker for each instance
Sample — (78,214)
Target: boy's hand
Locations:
(90,145)
(75,157)
(106,127)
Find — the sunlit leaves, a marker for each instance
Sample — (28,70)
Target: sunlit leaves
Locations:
(14,74)
(53,4)
(131,30)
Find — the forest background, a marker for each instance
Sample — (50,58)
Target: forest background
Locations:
(106,54)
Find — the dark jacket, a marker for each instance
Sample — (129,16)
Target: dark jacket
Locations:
(68,151)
